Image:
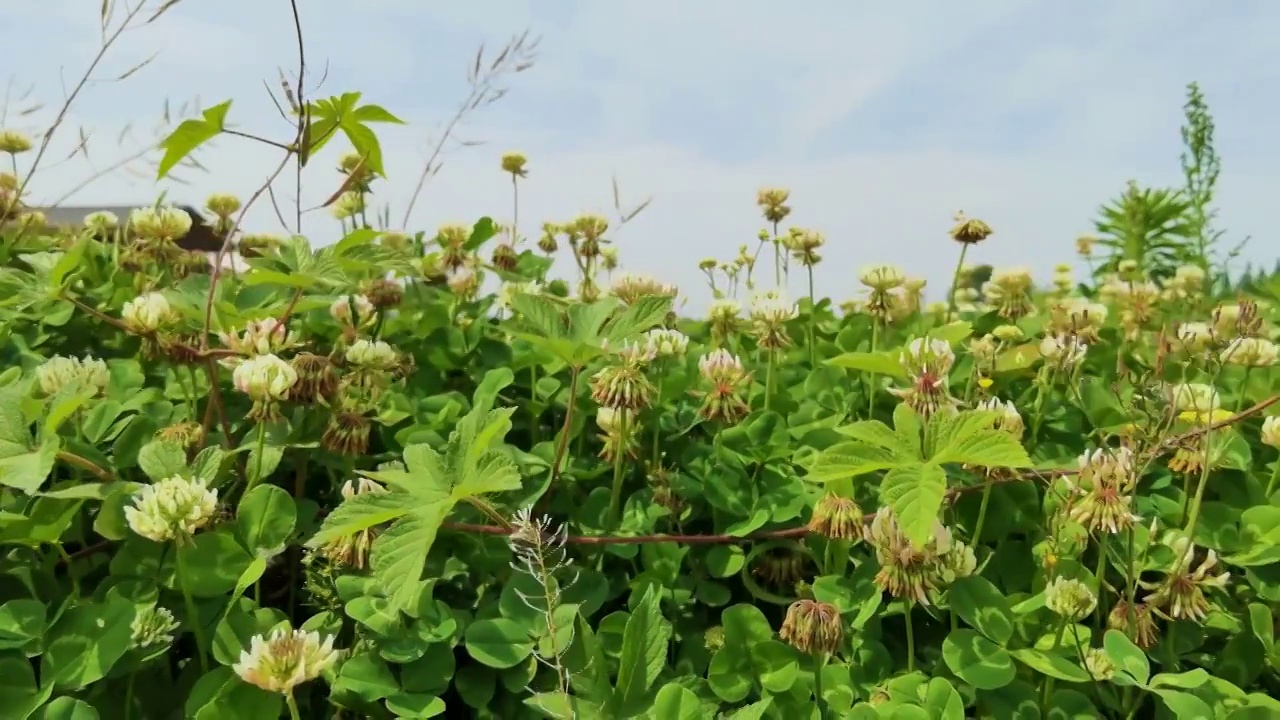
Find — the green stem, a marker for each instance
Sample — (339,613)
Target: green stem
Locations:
(293,707)
(768,380)
(820,662)
(192,616)
(872,382)
(1037,409)
(533,399)
(257,464)
(615,497)
(1057,643)
(911,640)
(955,280)
(982,511)
(657,422)
(813,323)
(1275,478)
(128,697)
(1099,573)
(1200,487)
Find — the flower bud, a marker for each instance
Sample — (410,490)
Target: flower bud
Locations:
(152,628)
(1271,431)
(147,314)
(372,355)
(1070,599)
(171,509)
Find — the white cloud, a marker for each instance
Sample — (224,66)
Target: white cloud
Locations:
(1106,90)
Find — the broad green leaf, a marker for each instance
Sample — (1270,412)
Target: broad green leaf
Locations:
(361,512)
(189,135)
(676,702)
(881,436)
(1126,656)
(400,552)
(498,642)
(850,459)
(643,655)
(880,363)
(970,439)
(162,459)
(265,519)
(28,471)
(86,641)
(981,604)
(977,660)
(915,492)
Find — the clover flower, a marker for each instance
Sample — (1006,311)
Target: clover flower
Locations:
(1098,664)
(1064,352)
(514,163)
(352,310)
(1009,289)
(1194,398)
(1077,316)
(725,316)
(159,225)
(1181,594)
(804,245)
(1141,627)
(1194,337)
(928,363)
(630,287)
(619,431)
(769,313)
(58,373)
(171,509)
(622,386)
(1250,352)
(728,380)
(152,628)
(267,380)
(148,314)
(837,517)
(1070,599)
(348,205)
(372,355)
(463,281)
(915,572)
(13,142)
(662,342)
(286,659)
(1270,434)
(1008,418)
(317,378)
(101,222)
(347,431)
(773,203)
(1102,494)
(259,337)
(969,231)
(812,627)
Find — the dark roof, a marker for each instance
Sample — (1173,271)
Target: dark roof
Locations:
(200,237)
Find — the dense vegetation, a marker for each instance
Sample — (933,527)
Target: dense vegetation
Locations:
(416,475)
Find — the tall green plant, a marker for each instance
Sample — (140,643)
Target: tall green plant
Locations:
(1200,167)
(1149,226)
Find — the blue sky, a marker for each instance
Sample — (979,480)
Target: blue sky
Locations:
(883,119)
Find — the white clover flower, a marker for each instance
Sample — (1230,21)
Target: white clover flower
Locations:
(724,310)
(1250,352)
(360,486)
(260,337)
(341,310)
(265,378)
(1068,598)
(1065,351)
(372,355)
(772,307)
(720,363)
(463,281)
(223,205)
(932,356)
(160,224)
(1189,277)
(60,372)
(101,222)
(882,278)
(666,343)
(1195,336)
(611,420)
(1009,420)
(1271,431)
(1195,398)
(286,660)
(148,313)
(172,509)
(152,628)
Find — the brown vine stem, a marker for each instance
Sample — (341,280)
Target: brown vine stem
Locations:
(71,458)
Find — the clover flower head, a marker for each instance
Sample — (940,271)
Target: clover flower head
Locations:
(1069,598)
(58,373)
(171,509)
(286,659)
(152,628)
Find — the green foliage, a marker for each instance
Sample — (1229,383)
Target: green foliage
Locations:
(888,513)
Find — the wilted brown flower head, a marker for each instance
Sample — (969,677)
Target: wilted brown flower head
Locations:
(505,257)
(186,434)
(347,432)
(1141,627)
(317,379)
(838,518)
(773,203)
(812,627)
(969,231)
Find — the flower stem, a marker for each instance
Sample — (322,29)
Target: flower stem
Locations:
(533,399)
(976,537)
(813,323)
(1275,479)
(192,616)
(819,664)
(872,382)
(955,280)
(293,706)
(1099,574)
(768,379)
(257,464)
(1200,487)
(911,639)
(615,496)
(657,423)
(1057,643)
